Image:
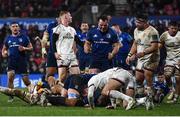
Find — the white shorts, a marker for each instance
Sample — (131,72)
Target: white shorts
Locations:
(143,64)
(67,61)
(125,78)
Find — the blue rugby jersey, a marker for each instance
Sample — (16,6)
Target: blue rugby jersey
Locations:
(13,43)
(161,85)
(50,32)
(101,42)
(126,40)
(81,53)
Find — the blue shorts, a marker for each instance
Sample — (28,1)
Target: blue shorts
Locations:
(102,65)
(51,60)
(84,62)
(70,83)
(18,65)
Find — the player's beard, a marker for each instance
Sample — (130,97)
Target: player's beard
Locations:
(15,32)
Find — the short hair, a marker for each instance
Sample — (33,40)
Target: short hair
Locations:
(14,22)
(103,18)
(85,22)
(173,23)
(115,25)
(63,12)
(141,16)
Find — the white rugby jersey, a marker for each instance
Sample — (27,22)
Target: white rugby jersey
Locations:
(144,39)
(101,79)
(172,45)
(64,44)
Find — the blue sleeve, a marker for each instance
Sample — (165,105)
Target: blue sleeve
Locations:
(89,36)
(6,42)
(129,37)
(115,37)
(49,28)
(87,77)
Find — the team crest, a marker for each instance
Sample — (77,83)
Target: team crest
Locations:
(20,39)
(95,36)
(9,41)
(108,35)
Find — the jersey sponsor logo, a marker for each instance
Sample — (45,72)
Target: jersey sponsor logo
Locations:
(14,44)
(68,36)
(139,42)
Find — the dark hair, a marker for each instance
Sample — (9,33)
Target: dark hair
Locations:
(115,25)
(161,72)
(14,22)
(142,16)
(84,22)
(103,18)
(173,23)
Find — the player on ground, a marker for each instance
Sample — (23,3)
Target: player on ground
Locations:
(171,40)
(15,48)
(160,88)
(109,82)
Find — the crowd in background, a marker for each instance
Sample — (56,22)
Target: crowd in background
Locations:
(48,8)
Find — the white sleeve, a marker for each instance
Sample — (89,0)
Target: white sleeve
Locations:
(56,29)
(74,31)
(91,90)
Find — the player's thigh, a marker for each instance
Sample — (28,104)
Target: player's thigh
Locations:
(177,73)
(51,70)
(62,72)
(11,75)
(74,67)
(151,66)
(74,70)
(139,76)
(130,92)
(112,84)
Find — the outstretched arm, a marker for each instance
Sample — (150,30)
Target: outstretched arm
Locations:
(91,90)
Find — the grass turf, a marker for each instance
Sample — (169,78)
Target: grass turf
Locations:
(20,108)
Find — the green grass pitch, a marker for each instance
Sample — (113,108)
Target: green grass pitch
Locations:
(20,108)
